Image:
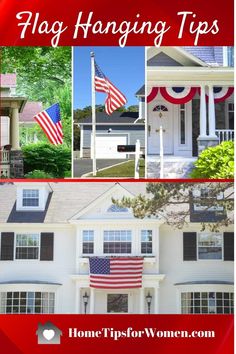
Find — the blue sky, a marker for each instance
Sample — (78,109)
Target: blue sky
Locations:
(123,66)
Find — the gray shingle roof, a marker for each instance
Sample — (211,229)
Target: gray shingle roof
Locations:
(210,55)
(66,200)
(141,91)
(116,117)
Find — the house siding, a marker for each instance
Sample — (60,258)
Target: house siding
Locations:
(162,59)
(135,132)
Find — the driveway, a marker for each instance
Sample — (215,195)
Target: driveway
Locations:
(83,166)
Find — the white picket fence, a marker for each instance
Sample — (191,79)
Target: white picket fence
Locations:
(225,134)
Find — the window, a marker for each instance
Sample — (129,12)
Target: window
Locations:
(117,241)
(117,303)
(27,246)
(231,115)
(182,124)
(27,302)
(204,200)
(146,241)
(88,241)
(210,246)
(30,198)
(160,108)
(116,209)
(207,302)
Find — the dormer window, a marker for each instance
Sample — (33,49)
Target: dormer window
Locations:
(30,198)
(202,200)
(116,209)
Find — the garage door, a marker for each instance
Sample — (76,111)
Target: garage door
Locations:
(106,146)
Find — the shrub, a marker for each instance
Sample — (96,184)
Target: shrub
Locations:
(215,162)
(52,159)
(38,174)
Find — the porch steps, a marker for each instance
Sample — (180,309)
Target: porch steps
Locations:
(173,167)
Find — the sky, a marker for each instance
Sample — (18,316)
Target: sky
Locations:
(124,67)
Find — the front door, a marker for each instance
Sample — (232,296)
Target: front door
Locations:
(160,113)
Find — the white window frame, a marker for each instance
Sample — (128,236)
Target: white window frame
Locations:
(115,230)
(3,301)
(82,236)
(199,207)
(222,247)
(15,246)
(30,197)
(184,109)
(146,254)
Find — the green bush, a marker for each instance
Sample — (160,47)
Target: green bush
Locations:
(52,159)
(38,174)
(215,162)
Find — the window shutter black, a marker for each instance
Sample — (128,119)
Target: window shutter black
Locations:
(190,246)
(46,247)
(7,246)
(228,246)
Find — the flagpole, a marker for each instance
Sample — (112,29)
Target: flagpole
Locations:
(93,145)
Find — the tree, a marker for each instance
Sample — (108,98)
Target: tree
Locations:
(43,74)
(172,202)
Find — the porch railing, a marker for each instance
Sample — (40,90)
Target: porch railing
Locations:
(225,134)
(4,164)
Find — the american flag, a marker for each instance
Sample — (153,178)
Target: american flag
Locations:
(116,272)
(115,99)
(50,121)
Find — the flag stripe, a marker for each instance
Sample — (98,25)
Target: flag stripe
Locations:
(50,122)
(117,272)
(115,98)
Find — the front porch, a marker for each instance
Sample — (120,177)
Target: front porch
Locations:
(194,107)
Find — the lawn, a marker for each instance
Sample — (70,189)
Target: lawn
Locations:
(125,169)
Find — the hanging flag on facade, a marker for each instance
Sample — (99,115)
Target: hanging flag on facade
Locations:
(115,99)
(50,121)
(116,272)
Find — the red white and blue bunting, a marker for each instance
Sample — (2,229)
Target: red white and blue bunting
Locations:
(220,93)
(175,95)
(178,95)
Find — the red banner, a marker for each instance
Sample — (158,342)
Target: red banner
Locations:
(124,23)
(116,333)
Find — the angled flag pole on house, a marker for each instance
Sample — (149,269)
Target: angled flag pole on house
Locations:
(50,122)
(114,100)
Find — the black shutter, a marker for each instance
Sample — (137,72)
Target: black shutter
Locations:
(7,246)
(190,246)
(228,246)
(46,247)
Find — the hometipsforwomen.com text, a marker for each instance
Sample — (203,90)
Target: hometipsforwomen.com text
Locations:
(86,26)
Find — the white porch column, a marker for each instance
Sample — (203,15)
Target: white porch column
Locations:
(203,116)
(141,301)
(211,113)
(92,300)
(78,299)
(14,129)
(156,300)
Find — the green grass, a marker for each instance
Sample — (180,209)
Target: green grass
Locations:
(126,169)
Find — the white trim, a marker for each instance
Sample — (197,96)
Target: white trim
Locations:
(81,142)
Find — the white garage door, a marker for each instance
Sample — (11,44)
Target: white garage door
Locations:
(106,146)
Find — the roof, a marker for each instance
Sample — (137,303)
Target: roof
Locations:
(210,55)
(200,282)
(116,117)
(71,197)
(29,111)
(7,80)
(141,91)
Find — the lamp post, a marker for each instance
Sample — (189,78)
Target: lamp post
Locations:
(149,300)
(85,300)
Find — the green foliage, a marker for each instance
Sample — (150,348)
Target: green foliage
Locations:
(215,162)
(38,174)
(55,160)
(172,202)
(43,74)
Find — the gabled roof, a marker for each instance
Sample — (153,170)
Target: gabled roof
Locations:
(141,91)
(65,201)
(116,117)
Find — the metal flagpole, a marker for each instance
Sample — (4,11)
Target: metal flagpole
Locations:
(93,145)
(161,154)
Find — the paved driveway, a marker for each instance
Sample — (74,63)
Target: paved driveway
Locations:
(83,166)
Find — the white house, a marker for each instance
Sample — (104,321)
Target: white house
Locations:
(190,95)
(50,230)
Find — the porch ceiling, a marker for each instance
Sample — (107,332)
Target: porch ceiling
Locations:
(169,76)
(11,102)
